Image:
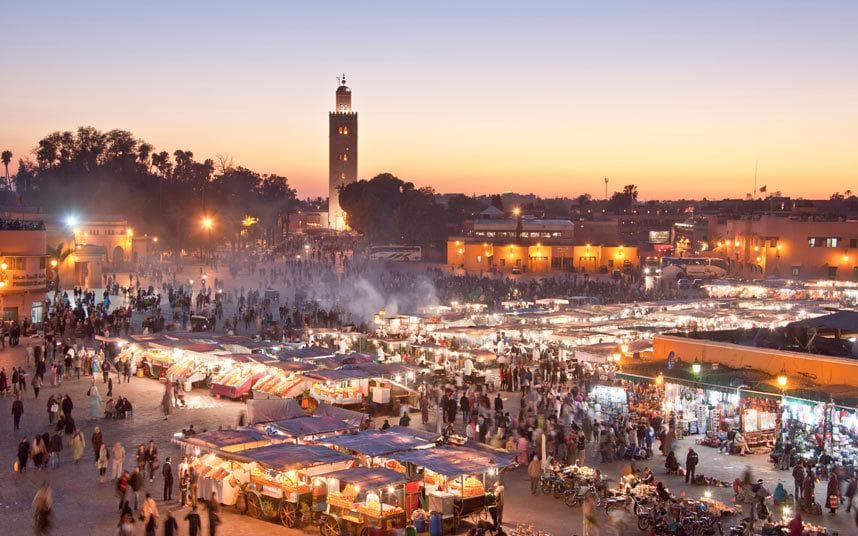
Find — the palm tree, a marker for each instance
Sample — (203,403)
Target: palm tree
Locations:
(58,253)
(7,158)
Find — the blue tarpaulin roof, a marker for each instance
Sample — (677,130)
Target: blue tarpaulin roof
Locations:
(218,439)
(368,478)
(449,460)
(304,426)
(287,456)
(339,375)
(377,442)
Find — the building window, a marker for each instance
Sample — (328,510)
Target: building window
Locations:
(855,273)
(796,271)
(503,262)
(853,243)
(15,263)
(479,259)
(343,130)
(823,241)
(832,272)
(832,242)
(41,263)
(342,176)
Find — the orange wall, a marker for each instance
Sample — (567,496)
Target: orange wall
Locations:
(826,370)
(749,245)
(476,256)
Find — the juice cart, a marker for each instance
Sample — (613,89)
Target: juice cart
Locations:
(362,500)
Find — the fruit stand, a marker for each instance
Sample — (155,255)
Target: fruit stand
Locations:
(361,500)
(279,480)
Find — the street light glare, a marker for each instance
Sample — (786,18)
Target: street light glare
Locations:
(72,220)
(207,222)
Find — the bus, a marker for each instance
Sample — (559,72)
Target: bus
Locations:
(698,267)
(396,253)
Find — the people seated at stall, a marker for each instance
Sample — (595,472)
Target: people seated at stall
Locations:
(662,493)
(647,477)
(110,409)
(780,494)
(724,442)
(122,408)
(740,444)
(671,463)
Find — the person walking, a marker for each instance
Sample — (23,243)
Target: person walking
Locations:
(214,518)
(184,486)
(37,385)
(150,515)
(832,493)
(798,480)
(23,454)
(691,460)
(118,460)
(101,463)
(77,444)
(97,440)
(152,459)
(94,403)
(171,527)
(167,472)
(53,408)
(194,522)
(43,504)
(56,448)
(851,489)
(534,469)
(17,412)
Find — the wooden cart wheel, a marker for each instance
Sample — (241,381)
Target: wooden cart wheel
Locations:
(330,527)
(240,505)
(254,506)
(287,514)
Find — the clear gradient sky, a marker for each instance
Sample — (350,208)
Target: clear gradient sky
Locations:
(678,97)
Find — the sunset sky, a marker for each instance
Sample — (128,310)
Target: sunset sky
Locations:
(680,98)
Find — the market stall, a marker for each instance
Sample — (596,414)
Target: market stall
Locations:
(454,478)
(307,428)
(275,382)
(812,426)
(363,500)
(237,376)
(234,440)
(279,480)
(342,387)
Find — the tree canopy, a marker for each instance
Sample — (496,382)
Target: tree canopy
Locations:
(89,171)
(388,210)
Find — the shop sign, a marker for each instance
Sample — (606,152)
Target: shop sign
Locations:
(28,281)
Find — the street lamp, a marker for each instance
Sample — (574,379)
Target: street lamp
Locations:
(696,367)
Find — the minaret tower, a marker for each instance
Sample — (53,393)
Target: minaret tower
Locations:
(343,152)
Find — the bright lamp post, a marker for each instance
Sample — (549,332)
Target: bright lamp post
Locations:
(207,223)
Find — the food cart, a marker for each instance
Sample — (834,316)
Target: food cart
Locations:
(362,500)
(278,480)
(341,387)
(455,478)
